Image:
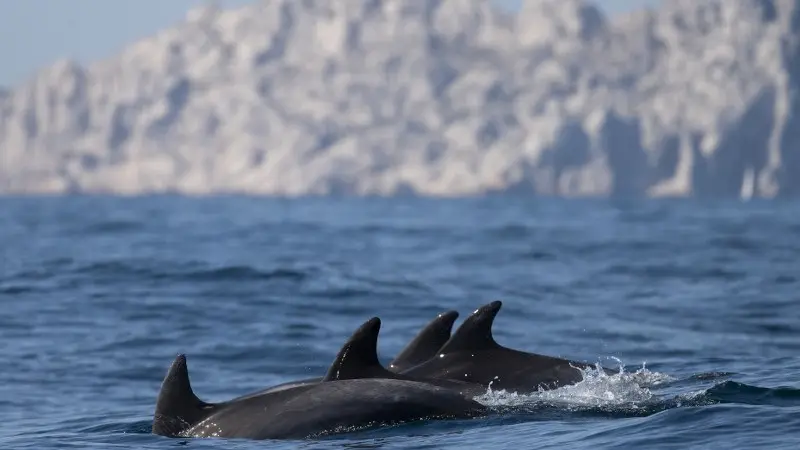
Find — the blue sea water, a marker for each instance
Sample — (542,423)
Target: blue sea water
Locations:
(695,302)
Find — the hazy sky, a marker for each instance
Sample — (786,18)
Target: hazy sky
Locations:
(34,33)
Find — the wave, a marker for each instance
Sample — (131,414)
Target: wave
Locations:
(740,393)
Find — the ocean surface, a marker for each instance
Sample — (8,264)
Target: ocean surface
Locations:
(695,304)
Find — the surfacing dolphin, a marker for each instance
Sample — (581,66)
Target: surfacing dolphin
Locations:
(353,395)
(423,347)
(426,343)
(358,358)
(471,354)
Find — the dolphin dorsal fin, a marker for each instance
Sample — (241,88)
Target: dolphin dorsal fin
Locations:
(427,342)
(358,357)
(177,407)
(476,331)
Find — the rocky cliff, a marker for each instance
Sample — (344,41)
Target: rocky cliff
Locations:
(430,97)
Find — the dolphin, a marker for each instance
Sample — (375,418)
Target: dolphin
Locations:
(351,396)
(290,384)
(424,346)
(358,358)
(427,342)
(471,354)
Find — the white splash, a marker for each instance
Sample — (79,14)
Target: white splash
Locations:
(597,390)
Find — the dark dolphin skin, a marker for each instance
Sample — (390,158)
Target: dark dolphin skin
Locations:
(426,344)
(356,393)
(358,358)
(423,347)
(472,355)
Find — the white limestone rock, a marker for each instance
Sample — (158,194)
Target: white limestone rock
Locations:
(432,97)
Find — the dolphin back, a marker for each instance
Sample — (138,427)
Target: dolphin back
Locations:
(177,407)
(358,357)
(473,355)
(427,342)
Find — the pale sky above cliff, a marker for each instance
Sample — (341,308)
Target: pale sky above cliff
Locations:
(34,33)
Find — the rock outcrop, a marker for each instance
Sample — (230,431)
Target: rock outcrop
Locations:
(425,97)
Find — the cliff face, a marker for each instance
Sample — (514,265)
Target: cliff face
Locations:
(430,97)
